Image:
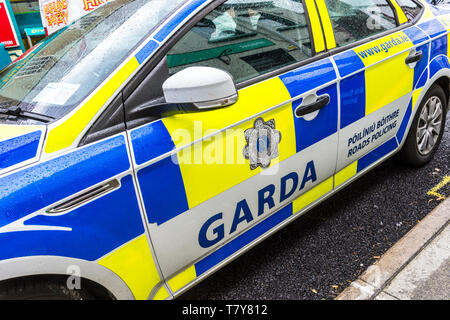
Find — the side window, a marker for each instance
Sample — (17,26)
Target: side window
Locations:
(246,38)
(354,20)
(410,8)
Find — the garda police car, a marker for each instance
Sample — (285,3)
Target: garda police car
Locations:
(151,142)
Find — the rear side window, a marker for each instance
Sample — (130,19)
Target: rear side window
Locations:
(410,8)
(245,38)
(354,20)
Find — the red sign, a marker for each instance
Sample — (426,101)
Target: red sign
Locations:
(7,34)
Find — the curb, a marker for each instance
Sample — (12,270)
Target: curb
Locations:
(376,278)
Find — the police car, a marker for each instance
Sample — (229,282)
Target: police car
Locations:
(151,142)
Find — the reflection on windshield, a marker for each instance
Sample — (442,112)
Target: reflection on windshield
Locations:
(58,74)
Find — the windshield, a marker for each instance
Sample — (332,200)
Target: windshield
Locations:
(66,67)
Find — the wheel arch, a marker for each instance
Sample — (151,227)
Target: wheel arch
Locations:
(444,83)
(440,78)
(95,278)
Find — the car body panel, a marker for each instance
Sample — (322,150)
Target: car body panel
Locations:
(203,181)
(19,145)
(211,208)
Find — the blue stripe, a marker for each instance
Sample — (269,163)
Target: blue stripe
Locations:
(308,133)
(423,79)
(241,241)
(163,190)
(416,35)
(433,28)
(151,141)
(146,51)
(309,77)
(438,47)
(404,125)
(422,65)
(174,22)
(37,187)
(348,63)
(438,63)
(97,229)
(353,99)
(377,154)
(19,149)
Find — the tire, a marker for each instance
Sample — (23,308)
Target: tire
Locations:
(417,150)
(40,289)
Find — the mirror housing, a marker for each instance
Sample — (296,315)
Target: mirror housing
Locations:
(204,87)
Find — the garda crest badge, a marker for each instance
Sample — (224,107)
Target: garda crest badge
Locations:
(262,143)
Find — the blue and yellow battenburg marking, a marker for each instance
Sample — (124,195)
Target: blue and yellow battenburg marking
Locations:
(350,65)
(188,170)
(378,66)
(134,264)
(196,182)
(108,228)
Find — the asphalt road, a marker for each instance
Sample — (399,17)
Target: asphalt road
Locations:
(318,255)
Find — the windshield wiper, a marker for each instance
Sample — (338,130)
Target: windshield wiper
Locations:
(18,112)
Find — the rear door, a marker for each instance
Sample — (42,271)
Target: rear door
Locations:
(378,74)
(213,182)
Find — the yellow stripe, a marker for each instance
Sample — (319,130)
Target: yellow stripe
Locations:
(400,14)
(10,131)
(346,174)
(416,95)
(312,195)
(161,294)
(428,14)
(319,43)
(182,279)
(134,264)
(218,164)
(66,133)
(386,73)
(327,26)
(393,78)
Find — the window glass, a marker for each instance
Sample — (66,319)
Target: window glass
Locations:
(247,38)
(410,8)
(62,70)
(355,20)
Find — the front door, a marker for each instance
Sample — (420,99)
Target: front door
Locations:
(213,182)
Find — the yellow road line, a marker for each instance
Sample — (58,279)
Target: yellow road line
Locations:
(434,192)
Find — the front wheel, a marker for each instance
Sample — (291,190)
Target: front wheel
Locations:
(426,130)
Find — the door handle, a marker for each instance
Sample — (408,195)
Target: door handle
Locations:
(416,57)
(320,103)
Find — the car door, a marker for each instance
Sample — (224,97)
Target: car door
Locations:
(213,182)
(380,64)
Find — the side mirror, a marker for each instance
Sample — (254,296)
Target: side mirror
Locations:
(204,87)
